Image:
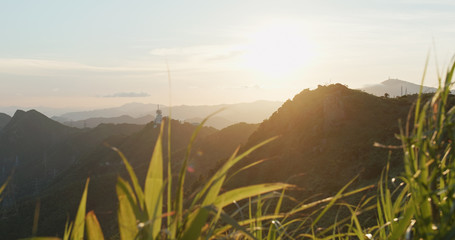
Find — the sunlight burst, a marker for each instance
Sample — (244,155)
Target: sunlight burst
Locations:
(278,50)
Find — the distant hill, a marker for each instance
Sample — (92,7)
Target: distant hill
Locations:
(396,88)
(94,122)
(254,112)
(4,119)
(48,111)
(216,122)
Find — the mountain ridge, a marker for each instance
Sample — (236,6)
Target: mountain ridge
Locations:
(396,88)
(322,131)
(4,119)
(241,112)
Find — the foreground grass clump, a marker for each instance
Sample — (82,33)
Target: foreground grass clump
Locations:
(420,204)
(424,206)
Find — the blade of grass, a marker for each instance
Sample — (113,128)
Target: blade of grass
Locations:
(220,175)
(94,231)
(417,108)
(79,221)
(133,177)
(180,189)
(125,214)
(154,185)
(171,227)
(67,232)
(246,192)
(36,218)
(194,230)
(2,188)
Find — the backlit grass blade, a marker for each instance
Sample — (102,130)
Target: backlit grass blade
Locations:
(194,229)
(246,222)
(330,204)
(128,192)
(246,192)
(171,226)
(357,229)
(41,238)
(79,221)
(153,187)
(36,218)
(94,231)
(417,107)
(403,223)
(180,189)
(133,177)
(2,188)
(218,178)
(208,185)
(329,199)
(126,217)
(234,224)
(245,168)
(67,232)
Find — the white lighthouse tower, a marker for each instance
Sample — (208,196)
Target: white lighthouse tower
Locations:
(158,117)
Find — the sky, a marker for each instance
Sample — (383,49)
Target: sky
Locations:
(93,54)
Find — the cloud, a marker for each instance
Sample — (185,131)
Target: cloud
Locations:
(204,52)
(255,86)
(27,66)
(127,95)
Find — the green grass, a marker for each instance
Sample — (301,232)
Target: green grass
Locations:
(419,204)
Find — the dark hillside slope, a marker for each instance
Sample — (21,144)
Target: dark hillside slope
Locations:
(4,119)
(326,139)
(103,166)
(40,151)
(209,151)
(26,143)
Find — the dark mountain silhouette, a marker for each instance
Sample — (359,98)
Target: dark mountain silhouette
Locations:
(103,166)
(4,119)
(39,150)
(93,122)
(396,88)
(80,155)
(26,144)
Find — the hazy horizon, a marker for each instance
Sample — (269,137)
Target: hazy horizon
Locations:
(55,112)
(86,55)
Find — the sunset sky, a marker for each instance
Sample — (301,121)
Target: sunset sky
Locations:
(91,54)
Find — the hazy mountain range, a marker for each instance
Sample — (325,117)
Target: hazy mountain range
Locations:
(94,122)
(254,112)
(240,112)
(396,88)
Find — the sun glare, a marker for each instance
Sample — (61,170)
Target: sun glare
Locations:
(278,50)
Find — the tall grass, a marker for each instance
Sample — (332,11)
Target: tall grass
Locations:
(422,206)
(425,205)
